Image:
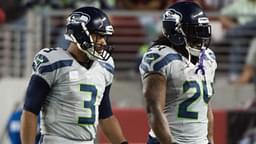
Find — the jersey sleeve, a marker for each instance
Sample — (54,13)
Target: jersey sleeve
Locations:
(46,63)
(158,60)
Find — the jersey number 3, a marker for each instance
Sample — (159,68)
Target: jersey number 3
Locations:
(89,105)
(183,110)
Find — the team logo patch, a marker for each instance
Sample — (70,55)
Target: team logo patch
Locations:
(39,59)
(149,58)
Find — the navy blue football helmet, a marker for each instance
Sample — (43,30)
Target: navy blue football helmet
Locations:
(81,23)
(185,23)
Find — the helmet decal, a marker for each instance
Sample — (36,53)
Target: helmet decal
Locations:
(78,17)
(198,14)
(172,15)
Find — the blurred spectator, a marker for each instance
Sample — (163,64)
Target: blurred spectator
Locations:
(81,3)
(218,4)
(250,65)
(206,6)
(239,12)
(2,16)
(249,70)
(108,4)
(239,20)
(142,4)
(13,9)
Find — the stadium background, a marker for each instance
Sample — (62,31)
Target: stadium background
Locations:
(27,27)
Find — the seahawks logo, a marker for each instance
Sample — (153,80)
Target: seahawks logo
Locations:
(149,58)
(39,59)
(79,17)
(172,15)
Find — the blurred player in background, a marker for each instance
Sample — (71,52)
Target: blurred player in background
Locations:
(178,73)
(249,71)
(71,88)
(13,127)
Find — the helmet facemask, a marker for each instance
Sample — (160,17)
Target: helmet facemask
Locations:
(97,51)
(197,36)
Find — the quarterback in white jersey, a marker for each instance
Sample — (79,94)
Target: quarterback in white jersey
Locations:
(178,74)
(71,87)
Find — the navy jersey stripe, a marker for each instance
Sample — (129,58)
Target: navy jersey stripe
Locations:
(108,67)
(166,60)
(144,67)
(54,66)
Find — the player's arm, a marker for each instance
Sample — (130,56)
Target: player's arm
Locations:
(108,122)
(246,75)
(112,130)
(210,125)
(35,95)
(154,91)
(28,127)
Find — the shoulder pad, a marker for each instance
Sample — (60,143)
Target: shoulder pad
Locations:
(48,56)
(156,58)
(210,54)
(108,65)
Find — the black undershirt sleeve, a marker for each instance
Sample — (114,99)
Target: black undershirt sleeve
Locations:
(36,94)
(105,109)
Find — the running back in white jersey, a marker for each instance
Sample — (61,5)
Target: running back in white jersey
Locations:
(187,94)
(71,108)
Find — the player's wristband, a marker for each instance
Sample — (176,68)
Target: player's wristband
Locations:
(124,142)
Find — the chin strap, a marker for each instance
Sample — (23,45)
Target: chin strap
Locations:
(201,61)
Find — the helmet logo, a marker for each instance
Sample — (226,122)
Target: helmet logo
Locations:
(79,17)
(172,15)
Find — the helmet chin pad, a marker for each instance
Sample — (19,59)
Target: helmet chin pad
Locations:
(193,51)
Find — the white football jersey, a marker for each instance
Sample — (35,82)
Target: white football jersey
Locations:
(71,108)
(187,93)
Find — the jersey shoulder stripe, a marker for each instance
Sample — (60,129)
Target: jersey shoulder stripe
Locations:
(55,66)
(166,60)
(158,57)
(107,66)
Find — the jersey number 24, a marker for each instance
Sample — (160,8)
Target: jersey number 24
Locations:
(183,109)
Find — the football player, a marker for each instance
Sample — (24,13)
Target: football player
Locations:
(71,88)
(177,74)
